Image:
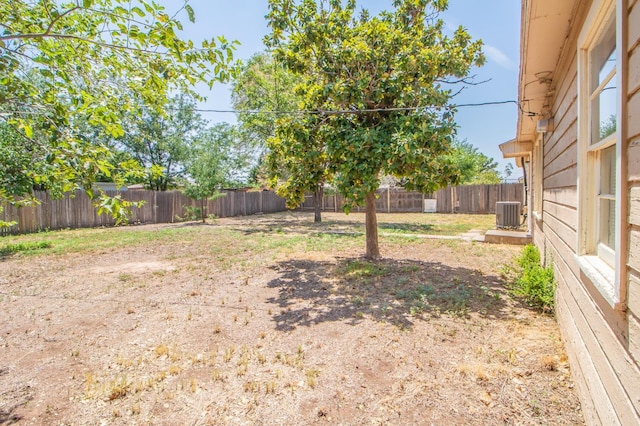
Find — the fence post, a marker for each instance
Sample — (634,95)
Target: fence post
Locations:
(453,203)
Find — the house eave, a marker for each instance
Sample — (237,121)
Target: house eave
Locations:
(545,29)
(516,148)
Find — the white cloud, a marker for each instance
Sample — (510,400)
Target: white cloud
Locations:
(496,55)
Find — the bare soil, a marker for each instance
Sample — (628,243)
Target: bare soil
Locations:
(168,333)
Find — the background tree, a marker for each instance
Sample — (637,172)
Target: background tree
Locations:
(474,167)
(388,77)
(508,171)
(215,161)
(263,87)
(94,59)
(161,140)
(297,160)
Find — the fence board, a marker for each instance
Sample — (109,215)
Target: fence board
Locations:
(480,199)
(76,210)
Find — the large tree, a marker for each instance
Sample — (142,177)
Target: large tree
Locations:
(93,60)
(161,140)
(474,167)
(298,161)
(216,157)
(384,82)
(262,88)
(265,90)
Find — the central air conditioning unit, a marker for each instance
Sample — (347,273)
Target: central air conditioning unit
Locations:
(507,214)
(430,206)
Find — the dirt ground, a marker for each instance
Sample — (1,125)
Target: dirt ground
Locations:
(238,323)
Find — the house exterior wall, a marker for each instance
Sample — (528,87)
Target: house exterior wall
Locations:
(632,131)
(602,341)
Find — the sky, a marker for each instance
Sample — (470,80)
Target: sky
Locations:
(496,22)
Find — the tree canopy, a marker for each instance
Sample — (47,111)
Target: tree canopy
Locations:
(161,141)
(63,64)
(216,157)
(382,87)
(474,167)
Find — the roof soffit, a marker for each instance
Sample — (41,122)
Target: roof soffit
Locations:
(546,25)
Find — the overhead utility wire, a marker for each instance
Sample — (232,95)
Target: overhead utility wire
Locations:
(359,111)
(335,112)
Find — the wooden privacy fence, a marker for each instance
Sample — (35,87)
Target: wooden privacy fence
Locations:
(480,199)
(77,210)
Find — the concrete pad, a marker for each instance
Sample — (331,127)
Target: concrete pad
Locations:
(500,236)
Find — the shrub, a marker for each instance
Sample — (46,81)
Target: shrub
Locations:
(190,214)
(532,282)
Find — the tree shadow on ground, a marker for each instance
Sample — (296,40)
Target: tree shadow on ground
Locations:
(400,292)
(331,227)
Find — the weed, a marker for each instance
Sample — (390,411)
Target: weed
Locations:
(252,387)
(174,370)
(124,277)
(191,213)
(549,363)
(217,329)
(244,359)
(124,362)
(228,353)
(216,375)
(242,370)
(270,387)
(312,374)
(119,388)
(530,281)
(162,350)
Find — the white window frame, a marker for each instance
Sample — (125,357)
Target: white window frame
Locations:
(603,267)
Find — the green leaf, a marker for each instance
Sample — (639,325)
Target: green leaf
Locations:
(28,131)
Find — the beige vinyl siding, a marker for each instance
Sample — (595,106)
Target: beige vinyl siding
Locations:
(603,344)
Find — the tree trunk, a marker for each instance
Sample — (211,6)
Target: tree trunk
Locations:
(371,227)
(318,194)
(203,209)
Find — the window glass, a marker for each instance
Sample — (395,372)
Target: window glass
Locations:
(603,91)
(607,196)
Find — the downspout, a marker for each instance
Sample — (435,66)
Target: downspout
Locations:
(527,194)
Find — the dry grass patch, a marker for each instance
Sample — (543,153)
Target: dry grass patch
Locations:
(274,320)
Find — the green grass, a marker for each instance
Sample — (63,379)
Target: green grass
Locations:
(357,269)
(26,246)
(410,223)
(339,232)
(84,240)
